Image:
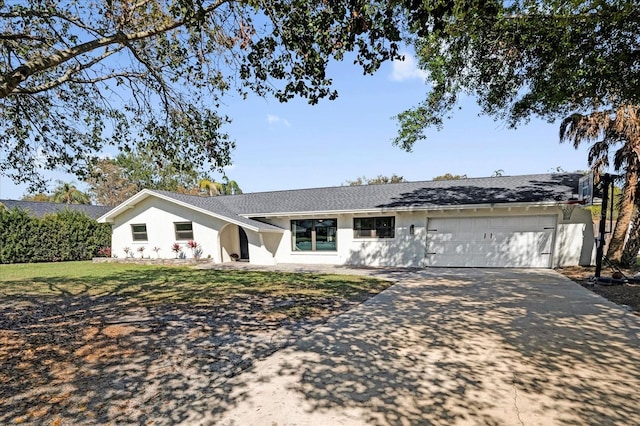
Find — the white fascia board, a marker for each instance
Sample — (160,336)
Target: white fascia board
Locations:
(406,209)
(125,205)
(494,206)
(131,202)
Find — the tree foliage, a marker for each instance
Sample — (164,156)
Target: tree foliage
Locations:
(67,193)
(64,192)
(520,59)
(109,183)
(114,180)
(378,180)
(449,176)
(213,188)
(78,76)
(38,196)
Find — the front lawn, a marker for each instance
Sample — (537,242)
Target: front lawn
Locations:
(150,284)
(112,343)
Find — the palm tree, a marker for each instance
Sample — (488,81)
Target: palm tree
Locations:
(231,187)
(632,248)
(211,187)
(67,193)
(606,130)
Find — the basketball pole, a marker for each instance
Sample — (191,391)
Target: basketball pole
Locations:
(607,181)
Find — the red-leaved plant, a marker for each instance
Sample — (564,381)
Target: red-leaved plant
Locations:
(176,249)
(104,252)
(196,251)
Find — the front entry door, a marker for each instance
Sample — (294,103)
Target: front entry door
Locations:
(244,244)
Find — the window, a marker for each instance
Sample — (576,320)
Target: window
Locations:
(374,227)
(184,231)
(314,234)
(139,232)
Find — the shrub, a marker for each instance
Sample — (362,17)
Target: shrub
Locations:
(62,236)
(196,250)
(176,249)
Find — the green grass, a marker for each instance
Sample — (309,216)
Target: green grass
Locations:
(151,284)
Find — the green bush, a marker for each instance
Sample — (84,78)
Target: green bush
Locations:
(65,235)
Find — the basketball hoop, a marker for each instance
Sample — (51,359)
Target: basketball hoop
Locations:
(568,208)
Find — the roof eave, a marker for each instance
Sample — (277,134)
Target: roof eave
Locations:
(383,210)
(140,196)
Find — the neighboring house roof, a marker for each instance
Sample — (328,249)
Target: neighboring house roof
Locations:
(41,208)
(244,209)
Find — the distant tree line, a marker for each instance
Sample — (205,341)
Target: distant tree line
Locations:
(113,180)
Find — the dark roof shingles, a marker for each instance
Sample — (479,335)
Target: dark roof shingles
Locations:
(425,194)
(41,208)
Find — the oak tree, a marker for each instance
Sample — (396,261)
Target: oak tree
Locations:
(80,76)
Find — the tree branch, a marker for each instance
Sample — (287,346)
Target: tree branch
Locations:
(67,75)
(17,37)
(10,81)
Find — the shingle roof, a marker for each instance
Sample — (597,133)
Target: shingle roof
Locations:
(213,205)
(418,195)
(41,208)
(542,188)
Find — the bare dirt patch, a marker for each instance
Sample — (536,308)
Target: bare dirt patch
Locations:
(626,295)
(108,360)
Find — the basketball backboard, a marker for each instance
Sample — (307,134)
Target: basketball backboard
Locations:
(586,190)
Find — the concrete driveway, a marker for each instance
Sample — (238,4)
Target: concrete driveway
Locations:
(453,346)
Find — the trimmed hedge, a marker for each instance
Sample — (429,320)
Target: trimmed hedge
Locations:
(65,235)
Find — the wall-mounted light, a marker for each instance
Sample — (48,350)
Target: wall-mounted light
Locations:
(412,229)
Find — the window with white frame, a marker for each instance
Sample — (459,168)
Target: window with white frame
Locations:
(374,227)
(139,232)
(184,230)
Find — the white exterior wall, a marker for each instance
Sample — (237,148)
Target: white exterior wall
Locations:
(575,239)
(159,216)
(572,243)
(262,247)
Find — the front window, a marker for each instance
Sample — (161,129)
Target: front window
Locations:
(314,234)
(184,231)
(374,227)
(139,232)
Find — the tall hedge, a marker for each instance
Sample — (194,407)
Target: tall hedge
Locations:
(65,235)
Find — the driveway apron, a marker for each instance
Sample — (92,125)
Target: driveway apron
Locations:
(453,346)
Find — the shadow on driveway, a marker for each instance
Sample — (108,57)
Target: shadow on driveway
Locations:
(447,346)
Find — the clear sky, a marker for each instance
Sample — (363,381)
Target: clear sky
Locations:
(296,145)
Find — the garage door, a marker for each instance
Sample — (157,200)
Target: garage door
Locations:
(505,242)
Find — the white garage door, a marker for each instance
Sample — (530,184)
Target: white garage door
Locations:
(506,242)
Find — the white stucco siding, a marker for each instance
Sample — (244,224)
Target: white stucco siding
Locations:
(159,217)
(574,239)
(405,249)
(402,250)
(571,240)
(263,248)
(568,241)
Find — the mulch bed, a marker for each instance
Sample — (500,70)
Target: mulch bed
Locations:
(626,295)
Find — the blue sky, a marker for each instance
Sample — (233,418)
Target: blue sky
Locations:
(296,145)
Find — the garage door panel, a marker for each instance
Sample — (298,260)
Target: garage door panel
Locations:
(519,241)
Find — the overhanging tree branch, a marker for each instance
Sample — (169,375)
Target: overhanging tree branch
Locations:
(10,80)
(67,76)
